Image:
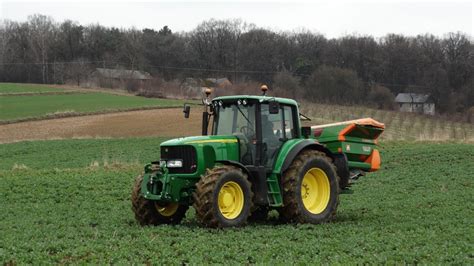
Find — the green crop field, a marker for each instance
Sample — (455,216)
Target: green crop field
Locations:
(12,88)
(68,201)
(43,106)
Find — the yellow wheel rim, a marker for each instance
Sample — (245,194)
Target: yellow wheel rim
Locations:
(167,209)
(231,200)
(315,190)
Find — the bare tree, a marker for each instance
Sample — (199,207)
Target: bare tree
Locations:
(132,48)
(78,70)
(459,59)
(217,43)
(69,43)
(41,33)
(382,97)
(261,53)
(3,46)
(309,51)
(335,85)
(237,28)
(286,85)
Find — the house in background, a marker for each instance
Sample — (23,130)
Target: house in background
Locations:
(120,78)
(197,86)
(415,103)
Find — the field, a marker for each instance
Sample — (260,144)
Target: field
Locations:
(142,123)
(109,116)
(51,105)
(65,188)
(170,122)
(68,201)
(12,88)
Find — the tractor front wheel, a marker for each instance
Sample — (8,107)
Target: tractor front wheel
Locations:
(148,212)
(310,189)
(223,197)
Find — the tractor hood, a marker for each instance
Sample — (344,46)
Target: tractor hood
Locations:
(200,140)
(207,150)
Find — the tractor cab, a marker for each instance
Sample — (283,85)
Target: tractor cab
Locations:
(261,124)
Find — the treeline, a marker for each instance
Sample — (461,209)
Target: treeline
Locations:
(350,69)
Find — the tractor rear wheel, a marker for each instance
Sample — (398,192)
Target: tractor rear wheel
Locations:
(148,212)
(310,189)
(223,197)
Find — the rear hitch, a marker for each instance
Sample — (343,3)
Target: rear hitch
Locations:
(355,174)
(346,191)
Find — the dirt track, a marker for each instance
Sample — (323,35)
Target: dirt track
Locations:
(159,122)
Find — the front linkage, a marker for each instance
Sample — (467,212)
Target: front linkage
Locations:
(159,185)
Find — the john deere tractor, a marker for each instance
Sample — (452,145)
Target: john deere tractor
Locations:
(256,157)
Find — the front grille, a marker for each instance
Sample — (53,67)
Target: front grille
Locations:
(185,153)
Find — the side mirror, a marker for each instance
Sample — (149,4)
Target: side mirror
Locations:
(274,107)
(306,132)
(186,111)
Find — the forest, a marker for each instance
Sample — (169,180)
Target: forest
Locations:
(350,69)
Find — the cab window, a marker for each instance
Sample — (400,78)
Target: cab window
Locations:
(276,129)
(289,124)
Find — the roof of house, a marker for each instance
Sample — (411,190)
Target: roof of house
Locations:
(123,73)
(412,98)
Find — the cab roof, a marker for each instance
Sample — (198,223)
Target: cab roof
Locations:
(260,98)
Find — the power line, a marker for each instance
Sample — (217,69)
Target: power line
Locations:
(396,85)
(52,63)
(151,66)
(215,70)
(103,62)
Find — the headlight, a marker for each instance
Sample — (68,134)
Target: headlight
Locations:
(174,163)
(162,163)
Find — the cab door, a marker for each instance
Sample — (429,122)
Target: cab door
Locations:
(276,130)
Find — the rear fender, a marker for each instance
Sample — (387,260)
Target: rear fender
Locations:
(289,153)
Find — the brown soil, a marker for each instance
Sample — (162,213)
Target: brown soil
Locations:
(159,122)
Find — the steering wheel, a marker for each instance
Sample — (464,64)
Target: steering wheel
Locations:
(247,131)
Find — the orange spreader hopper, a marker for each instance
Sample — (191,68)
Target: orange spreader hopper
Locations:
(357,139)
(361,121)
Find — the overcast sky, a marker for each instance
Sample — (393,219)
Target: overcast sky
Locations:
(331,18)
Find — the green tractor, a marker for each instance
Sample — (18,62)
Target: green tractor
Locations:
(257,157)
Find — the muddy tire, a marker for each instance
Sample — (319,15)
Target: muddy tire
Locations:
(343,173)
(223,197)
(310,189)
(148,212)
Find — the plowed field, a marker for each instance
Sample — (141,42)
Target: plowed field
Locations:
(158,122)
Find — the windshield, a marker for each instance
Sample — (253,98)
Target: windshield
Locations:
(235,119)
